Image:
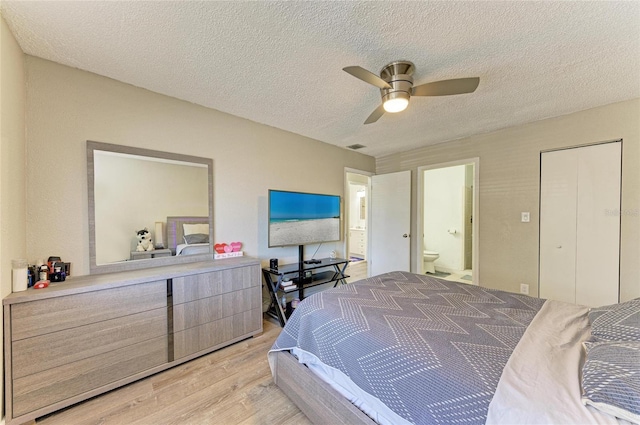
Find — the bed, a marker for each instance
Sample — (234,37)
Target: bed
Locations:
(195,229)
(402,348)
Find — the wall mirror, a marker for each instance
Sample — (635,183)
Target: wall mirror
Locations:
(129,189)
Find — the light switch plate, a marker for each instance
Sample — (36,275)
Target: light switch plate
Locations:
(525,217)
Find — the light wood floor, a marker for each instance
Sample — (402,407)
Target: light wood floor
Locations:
(356,271)
(230,386)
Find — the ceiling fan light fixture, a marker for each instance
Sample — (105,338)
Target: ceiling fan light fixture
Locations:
(396,102)
(396,86)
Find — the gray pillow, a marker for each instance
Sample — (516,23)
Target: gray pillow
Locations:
(196,238)
(616,322)
(611,378)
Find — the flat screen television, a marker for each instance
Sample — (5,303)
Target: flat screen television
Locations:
(298,218)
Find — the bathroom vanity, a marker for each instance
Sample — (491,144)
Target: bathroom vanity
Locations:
(357,242)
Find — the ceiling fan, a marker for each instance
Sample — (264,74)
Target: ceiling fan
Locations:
(396,86)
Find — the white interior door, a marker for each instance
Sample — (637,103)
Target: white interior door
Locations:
(390,223)
(598,226)
(558,180)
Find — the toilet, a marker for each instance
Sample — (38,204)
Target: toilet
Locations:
(429,257)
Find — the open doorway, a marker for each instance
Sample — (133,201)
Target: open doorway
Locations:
(448,220)
(356,223)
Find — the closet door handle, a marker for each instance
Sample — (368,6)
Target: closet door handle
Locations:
(559,246)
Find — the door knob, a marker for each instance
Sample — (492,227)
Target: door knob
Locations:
(559,246)
(405,236)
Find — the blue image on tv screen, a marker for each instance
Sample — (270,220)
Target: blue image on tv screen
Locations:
(297,218)
(291,206)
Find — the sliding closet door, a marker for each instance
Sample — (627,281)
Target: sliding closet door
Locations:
(598,225)
(558,181)
(580,224)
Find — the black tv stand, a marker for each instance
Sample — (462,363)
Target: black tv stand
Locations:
(303,276)
(313,261)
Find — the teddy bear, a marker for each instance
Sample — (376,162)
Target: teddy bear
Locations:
(144,240)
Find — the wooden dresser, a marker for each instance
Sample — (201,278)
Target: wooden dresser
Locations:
(91,334)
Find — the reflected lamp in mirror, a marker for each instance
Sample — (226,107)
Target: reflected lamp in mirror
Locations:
(132,188)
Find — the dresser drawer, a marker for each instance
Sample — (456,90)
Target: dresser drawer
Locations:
(209,335)
(40,353)
(50,386)
(45,316)
(198,312)
(204,285)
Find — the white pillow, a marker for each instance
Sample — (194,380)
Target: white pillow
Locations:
(190,229)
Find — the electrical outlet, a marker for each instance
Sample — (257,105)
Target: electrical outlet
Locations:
(524,288)
(525,217)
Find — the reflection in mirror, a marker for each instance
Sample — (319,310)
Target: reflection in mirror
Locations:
(131,189)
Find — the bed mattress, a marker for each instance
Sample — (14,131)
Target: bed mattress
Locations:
(428,350)
(411,349)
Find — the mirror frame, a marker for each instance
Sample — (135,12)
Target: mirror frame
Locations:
(143,263)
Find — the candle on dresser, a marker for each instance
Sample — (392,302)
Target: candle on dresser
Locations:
(19,275)
(159,236)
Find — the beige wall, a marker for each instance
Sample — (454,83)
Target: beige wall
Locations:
(509,184)
(12,159)
(66,107)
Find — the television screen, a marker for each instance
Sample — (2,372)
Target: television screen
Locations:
(297,218)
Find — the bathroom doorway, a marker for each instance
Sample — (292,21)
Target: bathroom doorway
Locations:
(357,202)
(448,220)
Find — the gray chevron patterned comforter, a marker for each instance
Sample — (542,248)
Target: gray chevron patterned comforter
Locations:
(431,350)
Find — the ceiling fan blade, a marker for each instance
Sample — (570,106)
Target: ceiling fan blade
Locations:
(367,76)
(447,87)
(375,115)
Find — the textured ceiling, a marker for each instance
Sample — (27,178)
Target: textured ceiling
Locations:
(280,62)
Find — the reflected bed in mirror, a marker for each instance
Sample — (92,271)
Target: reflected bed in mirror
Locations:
(130,189)
(188,235)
